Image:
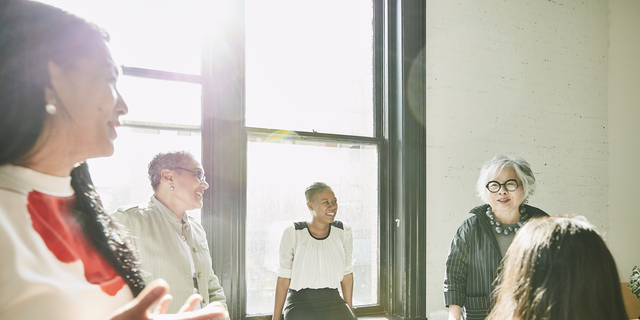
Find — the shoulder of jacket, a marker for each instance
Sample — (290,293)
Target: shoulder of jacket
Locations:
(479,209)
(471,220)
(467,226)
(130,210)
(536,212)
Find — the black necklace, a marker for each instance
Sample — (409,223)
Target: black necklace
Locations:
(498,225)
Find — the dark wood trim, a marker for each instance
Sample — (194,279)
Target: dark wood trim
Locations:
(161,75)
(407,139)
(382,131)
(160,126)
(313,136)
(224,149)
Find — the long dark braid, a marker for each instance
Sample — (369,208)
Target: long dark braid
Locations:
(102,230)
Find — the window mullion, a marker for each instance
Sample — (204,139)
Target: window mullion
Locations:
(301,135)
(160,75)
(225,149)
(407,145)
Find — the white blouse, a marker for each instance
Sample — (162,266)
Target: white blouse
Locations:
(315,263)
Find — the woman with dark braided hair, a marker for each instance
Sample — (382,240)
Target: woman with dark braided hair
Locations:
(62,256)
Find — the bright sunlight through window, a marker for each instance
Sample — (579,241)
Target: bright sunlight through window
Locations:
(308,67)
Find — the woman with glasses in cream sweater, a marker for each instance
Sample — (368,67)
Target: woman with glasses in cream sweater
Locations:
(170,244)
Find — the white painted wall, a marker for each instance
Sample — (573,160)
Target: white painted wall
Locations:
(528,78)
(624,134)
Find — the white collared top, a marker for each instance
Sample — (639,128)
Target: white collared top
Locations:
(315,263)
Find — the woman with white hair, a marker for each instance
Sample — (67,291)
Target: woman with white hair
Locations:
(504,185)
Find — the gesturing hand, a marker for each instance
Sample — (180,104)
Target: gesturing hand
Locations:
(157,291)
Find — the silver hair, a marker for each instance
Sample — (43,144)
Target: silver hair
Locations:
(314,189)
(164,161)
(493,168)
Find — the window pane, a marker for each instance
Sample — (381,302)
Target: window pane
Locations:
(154,34)
(122,179)
(161,101)
(309,65)
(277,174)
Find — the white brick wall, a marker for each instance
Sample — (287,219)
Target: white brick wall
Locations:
(527,78)
(624,135)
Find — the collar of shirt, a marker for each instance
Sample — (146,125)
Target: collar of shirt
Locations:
(23,180)
(177,225)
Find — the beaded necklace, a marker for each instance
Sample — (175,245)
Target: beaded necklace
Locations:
(498,225)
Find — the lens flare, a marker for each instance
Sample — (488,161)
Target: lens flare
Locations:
(282,135)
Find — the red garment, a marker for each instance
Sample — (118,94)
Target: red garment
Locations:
(63,235)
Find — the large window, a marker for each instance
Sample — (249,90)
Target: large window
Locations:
(274,95)
(277,173)
(309,66)
(306,78)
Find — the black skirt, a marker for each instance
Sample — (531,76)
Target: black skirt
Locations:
(316,304)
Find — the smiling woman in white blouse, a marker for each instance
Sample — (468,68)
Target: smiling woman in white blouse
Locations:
(316,258)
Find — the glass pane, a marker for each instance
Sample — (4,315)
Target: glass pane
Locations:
(277,174)
(154,34)
(122,179)
(309,65)
(161,101)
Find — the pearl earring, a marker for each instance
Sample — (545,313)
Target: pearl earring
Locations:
(171,188)
(51,109)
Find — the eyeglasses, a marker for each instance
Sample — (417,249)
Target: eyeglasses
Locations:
(509,185)
(199,173)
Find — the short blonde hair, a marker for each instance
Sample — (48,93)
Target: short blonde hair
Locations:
(165,161)
(314,189)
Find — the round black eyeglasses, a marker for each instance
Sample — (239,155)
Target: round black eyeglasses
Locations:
(199,173)
(509,185)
